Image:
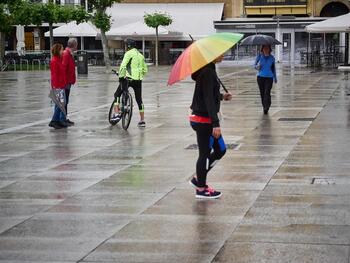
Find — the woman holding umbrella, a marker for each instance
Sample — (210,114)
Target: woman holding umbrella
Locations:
(199,60)
(205,122)
(265,65)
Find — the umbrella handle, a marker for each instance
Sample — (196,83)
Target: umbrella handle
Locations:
(222,84)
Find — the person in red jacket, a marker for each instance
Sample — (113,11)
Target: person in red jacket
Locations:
(69,69)
(58,82)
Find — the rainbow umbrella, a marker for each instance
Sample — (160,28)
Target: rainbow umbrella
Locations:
(201,53)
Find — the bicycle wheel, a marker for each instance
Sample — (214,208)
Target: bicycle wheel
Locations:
(127,109)
(110,115)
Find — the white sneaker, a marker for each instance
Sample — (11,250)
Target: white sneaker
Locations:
(116,117)
(141,124)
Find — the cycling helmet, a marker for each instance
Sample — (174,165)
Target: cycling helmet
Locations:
(130,43)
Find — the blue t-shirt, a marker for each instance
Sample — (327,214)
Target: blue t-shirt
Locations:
(267,66)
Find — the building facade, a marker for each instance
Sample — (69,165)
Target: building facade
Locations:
(286,20)
(265,8)
(283,19)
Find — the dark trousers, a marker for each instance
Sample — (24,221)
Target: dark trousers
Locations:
(67,91)
(265,86)
(210,150)
(136,85)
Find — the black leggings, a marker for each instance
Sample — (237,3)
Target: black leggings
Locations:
(137,86)
(210,150)
(265,86)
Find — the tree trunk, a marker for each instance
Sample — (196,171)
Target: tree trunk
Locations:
(105,51)
(156,46)
(2,47)
(51,36)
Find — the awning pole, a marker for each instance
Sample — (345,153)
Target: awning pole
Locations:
(143,46)
(82,43)
(348,49)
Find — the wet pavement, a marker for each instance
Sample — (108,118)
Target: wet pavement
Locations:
(96,193)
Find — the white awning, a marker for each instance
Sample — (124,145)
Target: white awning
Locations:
(73,30)
(196,19)
(331,25)
(136,29)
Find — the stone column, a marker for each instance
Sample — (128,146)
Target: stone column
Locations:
(279,37)
(342,43)
(292,47)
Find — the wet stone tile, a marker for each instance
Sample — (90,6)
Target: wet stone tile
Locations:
(280,253)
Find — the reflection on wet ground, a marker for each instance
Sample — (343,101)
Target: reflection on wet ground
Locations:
(95,193)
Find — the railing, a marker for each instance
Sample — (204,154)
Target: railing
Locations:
(274,2)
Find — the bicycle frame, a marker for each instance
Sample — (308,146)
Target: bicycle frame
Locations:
(125,103)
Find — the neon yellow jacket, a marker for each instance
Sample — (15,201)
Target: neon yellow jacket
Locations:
(133,65)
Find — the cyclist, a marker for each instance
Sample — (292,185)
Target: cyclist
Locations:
(132,70)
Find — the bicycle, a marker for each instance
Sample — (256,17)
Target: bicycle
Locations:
(125,107)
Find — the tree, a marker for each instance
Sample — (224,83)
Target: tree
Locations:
(155,20)
(103,22)
(6,22)
(23,12)
(50,13)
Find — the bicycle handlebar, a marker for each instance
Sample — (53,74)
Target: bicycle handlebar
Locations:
(115,72)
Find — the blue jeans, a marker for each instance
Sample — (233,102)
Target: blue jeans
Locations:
(58,114)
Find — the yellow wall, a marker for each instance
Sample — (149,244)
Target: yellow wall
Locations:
(313,8)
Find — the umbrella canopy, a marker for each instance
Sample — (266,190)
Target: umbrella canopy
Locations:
(201,53)
(20,40)
(331,25)
(73,29)
(258,40)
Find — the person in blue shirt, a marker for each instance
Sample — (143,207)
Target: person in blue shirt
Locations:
(265,65)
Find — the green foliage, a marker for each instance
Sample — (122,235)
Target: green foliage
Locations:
(157,19)
(51,13)
(22,12)
(102,5)
(102,21)
(5,19)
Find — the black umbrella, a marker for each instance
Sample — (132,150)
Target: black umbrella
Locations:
(258,40)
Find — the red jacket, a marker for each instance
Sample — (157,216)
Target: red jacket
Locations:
(58,80)
(69,66)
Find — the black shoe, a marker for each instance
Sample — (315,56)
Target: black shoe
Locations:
(63,124)
(69,122)
(208,193)
(266,112)
(194,183)
(55,124)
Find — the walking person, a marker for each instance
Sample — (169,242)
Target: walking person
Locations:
(69,70)
(265,65)
(205,122)
(131,72)
(58,83)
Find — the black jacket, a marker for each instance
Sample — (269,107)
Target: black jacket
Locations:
(206,97)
